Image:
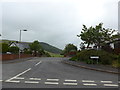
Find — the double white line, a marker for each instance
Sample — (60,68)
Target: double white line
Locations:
(54,83)
(70,82)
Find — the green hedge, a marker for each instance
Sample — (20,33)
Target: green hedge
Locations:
(104,57)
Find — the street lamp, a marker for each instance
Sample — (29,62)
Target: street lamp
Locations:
(20,41)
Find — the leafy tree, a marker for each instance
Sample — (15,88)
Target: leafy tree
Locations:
(96,35)
(4,47)
(36,47)
(13,49)
(69,48)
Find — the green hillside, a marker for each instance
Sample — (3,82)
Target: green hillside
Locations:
(50,48)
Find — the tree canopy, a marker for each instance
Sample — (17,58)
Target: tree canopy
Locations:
(96,35)
(36,47)
(69,48)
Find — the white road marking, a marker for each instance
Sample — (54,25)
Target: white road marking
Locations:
(38,63)
(112,85)
(19,78)
(1,80)
(106,81)
(71,80)
(70,83)
(19,74)
(52,83)
(30,82)
(35,78)
(88,84)
(52,79)
(13,81)
(87,81)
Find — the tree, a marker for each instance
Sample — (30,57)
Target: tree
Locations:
(13,49)
(4,47)
(86,35)
(97,35)
(69,48)
(35,47)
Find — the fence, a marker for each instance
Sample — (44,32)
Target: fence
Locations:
(13,56)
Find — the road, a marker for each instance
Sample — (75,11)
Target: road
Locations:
(50,72)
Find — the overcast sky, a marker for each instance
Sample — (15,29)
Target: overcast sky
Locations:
(57,22)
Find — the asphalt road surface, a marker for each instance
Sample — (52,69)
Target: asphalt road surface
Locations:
(50,72)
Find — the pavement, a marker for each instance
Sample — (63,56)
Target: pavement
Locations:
(51,72)
(96,67)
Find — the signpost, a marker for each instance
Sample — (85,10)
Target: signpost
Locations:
(95,58)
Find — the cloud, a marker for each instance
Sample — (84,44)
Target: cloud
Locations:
(56,22)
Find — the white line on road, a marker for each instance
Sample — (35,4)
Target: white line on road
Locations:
(87,81)
(1,80)
(112,85)
(13,81)
(55,83)
(88,84)
(70,83)
(106,81)
(71,80)
(52,79)
(30,82)
(35,78)
(38,63)
(19,74)
(19,78)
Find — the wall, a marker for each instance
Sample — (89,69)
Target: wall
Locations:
(14,56)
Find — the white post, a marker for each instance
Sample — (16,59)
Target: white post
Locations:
(19,43)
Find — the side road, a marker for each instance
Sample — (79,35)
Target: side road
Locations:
(95,67)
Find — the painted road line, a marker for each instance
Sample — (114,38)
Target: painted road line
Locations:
(88,84)
(106,81)
(30,82)
(112,85)
(54,83)
(1,80)
(13,81)
(38,63)
(52,79)
(87,81)
(19,78)
(35,78)
(19,74)
(71,80)
(70,83)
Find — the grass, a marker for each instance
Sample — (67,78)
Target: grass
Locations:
(54,54)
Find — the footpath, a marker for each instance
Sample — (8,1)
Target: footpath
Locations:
(96,67)
(16,60)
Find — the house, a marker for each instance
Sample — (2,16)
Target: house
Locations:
(21,45)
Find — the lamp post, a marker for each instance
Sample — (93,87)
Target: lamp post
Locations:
(20,41)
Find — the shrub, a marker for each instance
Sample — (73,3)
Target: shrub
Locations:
(104,57)
(14,49)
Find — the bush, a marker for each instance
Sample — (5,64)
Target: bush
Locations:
(14,49)
(104,57)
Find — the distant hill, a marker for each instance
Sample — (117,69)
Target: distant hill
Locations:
(45,46)
(50,48)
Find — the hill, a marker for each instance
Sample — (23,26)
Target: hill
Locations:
(45,46)
(50,48)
